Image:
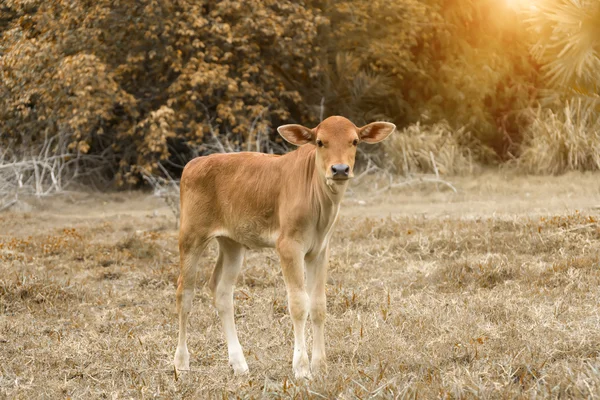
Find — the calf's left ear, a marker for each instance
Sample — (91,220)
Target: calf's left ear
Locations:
(375,131)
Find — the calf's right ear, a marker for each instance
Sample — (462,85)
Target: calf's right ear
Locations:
(296,134)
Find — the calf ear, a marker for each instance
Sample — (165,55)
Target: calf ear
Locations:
(296,134)
(375,131)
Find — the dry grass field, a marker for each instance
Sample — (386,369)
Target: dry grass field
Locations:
(491,292)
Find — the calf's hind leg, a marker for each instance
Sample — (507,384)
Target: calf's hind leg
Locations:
(189,254)
(229,264)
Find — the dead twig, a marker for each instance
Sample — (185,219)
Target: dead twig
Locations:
(42,171)
(167,189)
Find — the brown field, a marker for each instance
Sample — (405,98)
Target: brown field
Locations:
(492,292)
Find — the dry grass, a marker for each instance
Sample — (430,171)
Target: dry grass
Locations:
(556,142)
(437,298)
(423,148)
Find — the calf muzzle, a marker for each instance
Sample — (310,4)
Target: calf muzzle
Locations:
(340,171)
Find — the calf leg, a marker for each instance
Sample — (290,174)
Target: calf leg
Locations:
(189,255)
(216,275)
(316,279)
(231,256)
(292,263)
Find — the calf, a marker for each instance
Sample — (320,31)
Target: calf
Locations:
(252,200)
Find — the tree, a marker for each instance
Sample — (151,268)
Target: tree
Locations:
(464,61)
(144,82)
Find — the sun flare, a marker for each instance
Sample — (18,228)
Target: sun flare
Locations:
(522,5)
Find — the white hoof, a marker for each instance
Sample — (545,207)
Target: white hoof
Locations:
(301,369)
(240,369)
(318,367)
(182,360)
(239,365)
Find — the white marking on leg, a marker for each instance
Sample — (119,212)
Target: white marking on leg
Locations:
(316,279)
(299,304)
(233,256)
(185,294)
(224,303)
(182,355)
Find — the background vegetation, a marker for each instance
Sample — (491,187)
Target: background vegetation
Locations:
(127,88)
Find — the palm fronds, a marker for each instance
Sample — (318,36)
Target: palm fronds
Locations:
(568,42)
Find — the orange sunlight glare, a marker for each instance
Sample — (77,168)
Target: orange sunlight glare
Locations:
(521,5)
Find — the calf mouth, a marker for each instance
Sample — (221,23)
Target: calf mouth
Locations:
(338,180)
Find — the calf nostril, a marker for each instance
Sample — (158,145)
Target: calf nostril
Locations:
(347,170)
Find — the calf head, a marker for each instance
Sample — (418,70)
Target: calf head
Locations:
(336,139)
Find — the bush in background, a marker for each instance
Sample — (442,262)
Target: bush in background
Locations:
(436,148)
(568,139)
(146,86)
(152,82)
(466,62)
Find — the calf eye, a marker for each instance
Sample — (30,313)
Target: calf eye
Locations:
(355,142)
(319,143)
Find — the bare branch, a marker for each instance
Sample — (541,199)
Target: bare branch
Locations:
(167,189)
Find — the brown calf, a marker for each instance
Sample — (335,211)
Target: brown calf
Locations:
(252,200)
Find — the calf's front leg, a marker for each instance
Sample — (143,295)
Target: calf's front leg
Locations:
(316,280)
(292,264)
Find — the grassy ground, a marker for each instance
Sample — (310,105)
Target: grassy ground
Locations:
(492,292)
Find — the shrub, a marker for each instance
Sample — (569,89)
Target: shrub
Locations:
(422,148)
(460,61)
(148,82)
(568,139)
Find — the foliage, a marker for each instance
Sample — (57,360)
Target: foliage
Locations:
(566,135)
(568,36)
(436,148)
(148,80)
(158,82)
(466,62)
(372,52)
(569,139)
